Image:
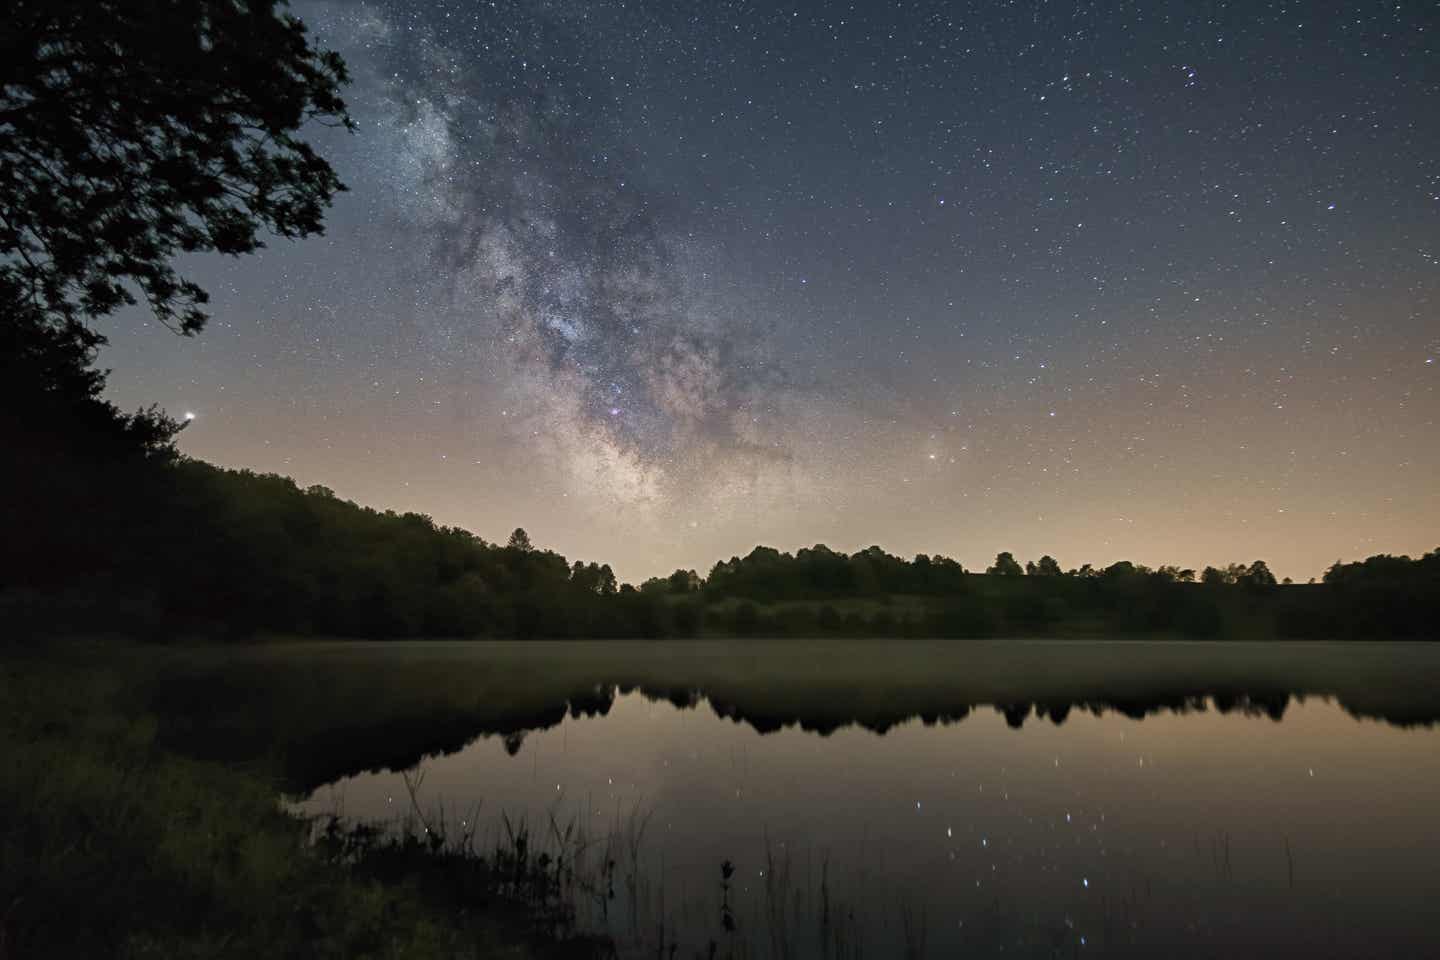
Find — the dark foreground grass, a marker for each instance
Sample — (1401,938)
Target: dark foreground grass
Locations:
(113,846)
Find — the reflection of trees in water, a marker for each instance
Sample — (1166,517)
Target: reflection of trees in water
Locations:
(1270,704)
(379,715)
(598,701)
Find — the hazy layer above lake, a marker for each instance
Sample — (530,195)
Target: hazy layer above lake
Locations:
(336,708)
(1195,799)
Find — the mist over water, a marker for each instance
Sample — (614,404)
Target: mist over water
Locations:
(1209,823)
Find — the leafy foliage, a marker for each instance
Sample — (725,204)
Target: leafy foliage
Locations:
(1380,597)
(1005,566)
(818,572)
(133,132)
(234,552)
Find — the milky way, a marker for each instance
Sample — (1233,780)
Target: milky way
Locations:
(661,281)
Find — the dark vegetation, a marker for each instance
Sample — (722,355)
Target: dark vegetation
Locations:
(871,593)
(1383,596)
(159,546)
(232,553)
(115,844)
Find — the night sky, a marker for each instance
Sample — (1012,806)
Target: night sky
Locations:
(661,281)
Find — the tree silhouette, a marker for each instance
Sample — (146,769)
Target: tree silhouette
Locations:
(1005,565)
(520,540)
(133,132)
(608,586)
(51,401)
(1212,576)
(1046,566)
(683,581)
(1257,575)
(1176,574)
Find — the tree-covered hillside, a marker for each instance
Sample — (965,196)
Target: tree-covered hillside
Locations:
(158,546)
(188,548)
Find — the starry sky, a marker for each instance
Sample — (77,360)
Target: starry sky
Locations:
(660,281)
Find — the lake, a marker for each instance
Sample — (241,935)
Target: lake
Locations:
(917,798)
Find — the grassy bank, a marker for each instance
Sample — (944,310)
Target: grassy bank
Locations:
(113,845)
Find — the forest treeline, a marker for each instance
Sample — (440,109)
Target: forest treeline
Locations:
(165,547)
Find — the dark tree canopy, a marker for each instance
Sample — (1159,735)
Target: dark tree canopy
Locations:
(132,131)
(1386,569)
(1046,566)
(1006,565)
(1257,575)
(50,401)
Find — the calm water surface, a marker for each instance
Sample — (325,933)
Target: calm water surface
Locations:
(1272,825)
